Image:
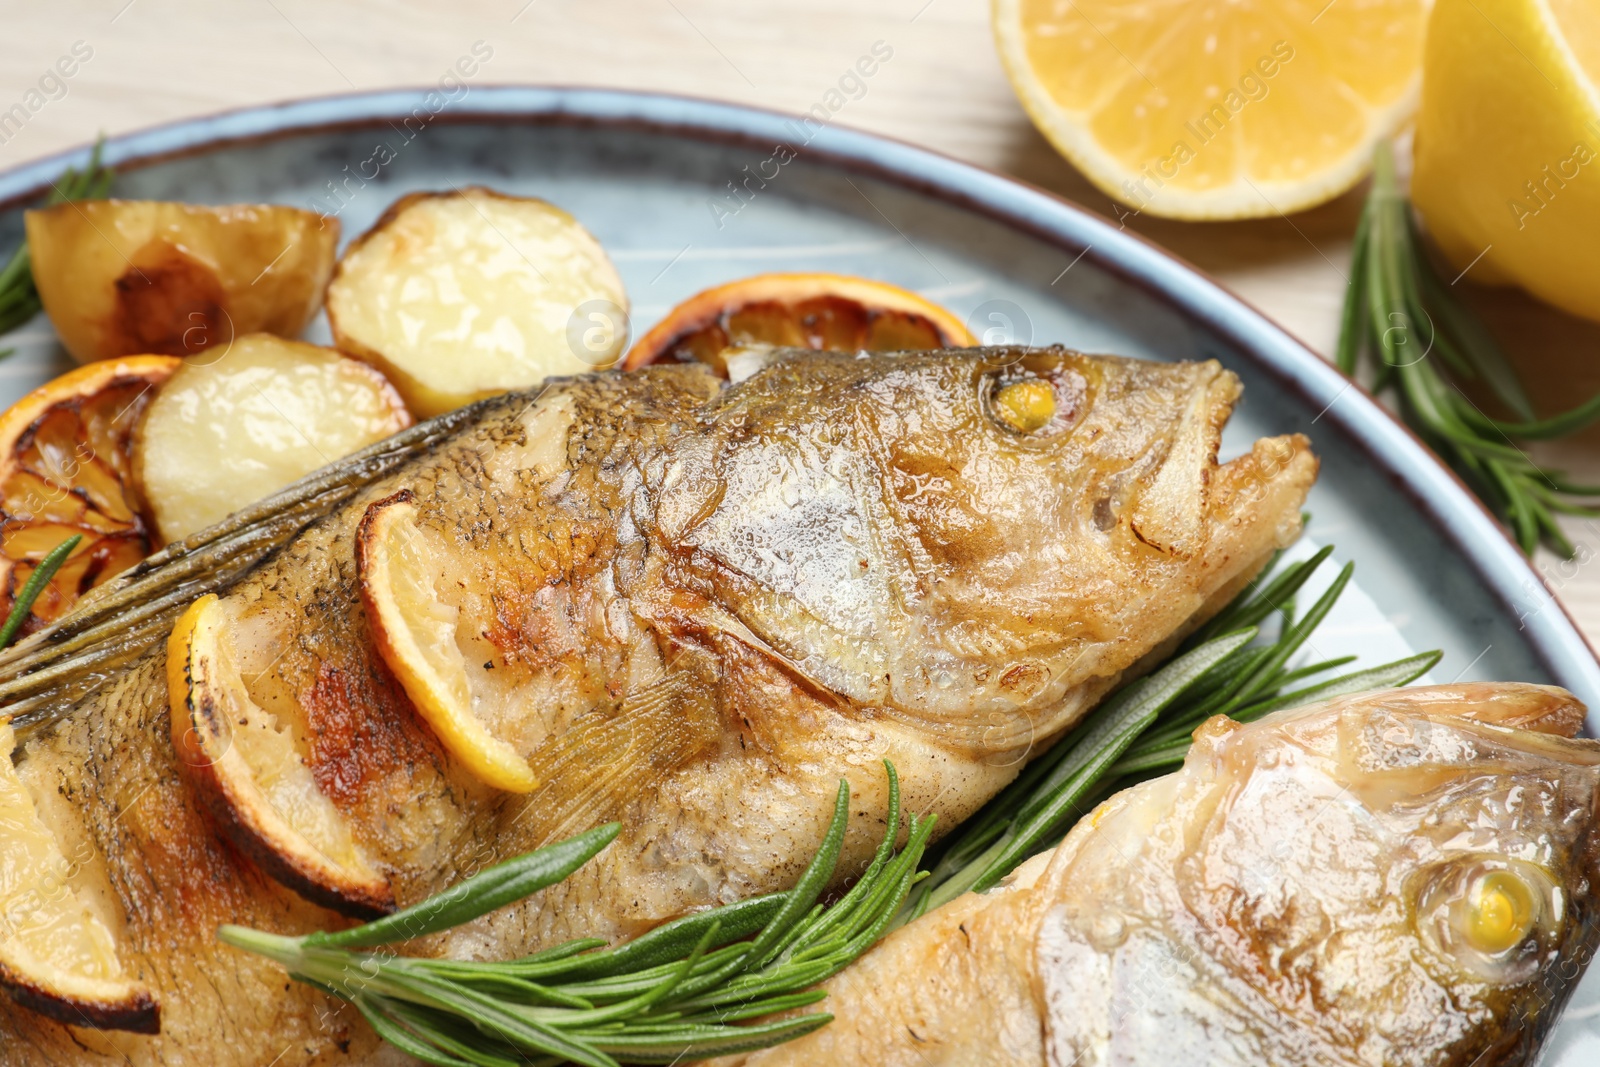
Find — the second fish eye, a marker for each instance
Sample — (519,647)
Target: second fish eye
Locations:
(1489,914)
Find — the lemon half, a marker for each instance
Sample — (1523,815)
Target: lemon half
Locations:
(1215,109)
(1508,145)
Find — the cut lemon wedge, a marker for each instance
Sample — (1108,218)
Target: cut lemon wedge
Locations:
(250,771)
(57,955)
(823,311)
(415,632)
(1214,109)
(1507,138)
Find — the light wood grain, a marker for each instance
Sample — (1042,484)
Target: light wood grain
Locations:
(158,60)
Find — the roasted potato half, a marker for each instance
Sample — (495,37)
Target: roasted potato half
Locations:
(126,277)
(244,421)
(58,952)
(461,295)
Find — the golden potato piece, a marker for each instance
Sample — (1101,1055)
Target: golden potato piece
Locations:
(250,771)
(126,277)
(57,952)
(461,295)
(228,430)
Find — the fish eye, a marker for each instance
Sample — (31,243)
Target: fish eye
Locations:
(1026,406)
(1034,405)
(1498,913)
(1489,915)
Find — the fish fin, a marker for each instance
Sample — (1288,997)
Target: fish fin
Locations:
(591,771)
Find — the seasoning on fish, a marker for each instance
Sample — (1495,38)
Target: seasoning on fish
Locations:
(1399,877)
(691,607)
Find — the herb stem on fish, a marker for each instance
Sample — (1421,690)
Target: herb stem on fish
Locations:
(1401,313)
(681,992)
(1146,727)
(19,300)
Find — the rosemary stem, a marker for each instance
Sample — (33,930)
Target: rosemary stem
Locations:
(1397,310)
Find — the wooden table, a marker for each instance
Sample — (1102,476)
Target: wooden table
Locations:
(152,61)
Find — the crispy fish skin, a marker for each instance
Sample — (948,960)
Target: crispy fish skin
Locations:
(1276,901)
(706,604)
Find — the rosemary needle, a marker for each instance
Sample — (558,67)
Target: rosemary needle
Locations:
(34,586)
(1400,312)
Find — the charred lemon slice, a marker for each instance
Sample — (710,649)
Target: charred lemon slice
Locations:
(250,771)
(66,468)
(822,311)
(415,632)
(57,956)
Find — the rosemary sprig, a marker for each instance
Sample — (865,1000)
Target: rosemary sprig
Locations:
(683,991)
(1399,311)
(19,300)
(35,584)
(1146,726)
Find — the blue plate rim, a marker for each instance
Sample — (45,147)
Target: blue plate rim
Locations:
(1412,467)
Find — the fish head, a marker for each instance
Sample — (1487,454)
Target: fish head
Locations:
(1404,876)
(971,535)
(1007,471)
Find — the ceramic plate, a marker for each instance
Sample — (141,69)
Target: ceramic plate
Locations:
(687,193)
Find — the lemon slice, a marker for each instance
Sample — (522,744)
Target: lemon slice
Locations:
(415,632)
(1214,109)
(250,773)
(823,311)
(1507,138)
(66,459)
(56,955)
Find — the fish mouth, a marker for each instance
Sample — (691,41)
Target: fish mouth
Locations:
(1187,495)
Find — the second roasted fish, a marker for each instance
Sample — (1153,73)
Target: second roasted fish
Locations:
(1405,877)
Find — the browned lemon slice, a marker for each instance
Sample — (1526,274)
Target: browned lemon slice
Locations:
(415,632)
(66,459)
(837,312)
(57,955)
(250,772)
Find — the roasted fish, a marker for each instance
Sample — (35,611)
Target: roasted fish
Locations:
(689,606)
(1404,877)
